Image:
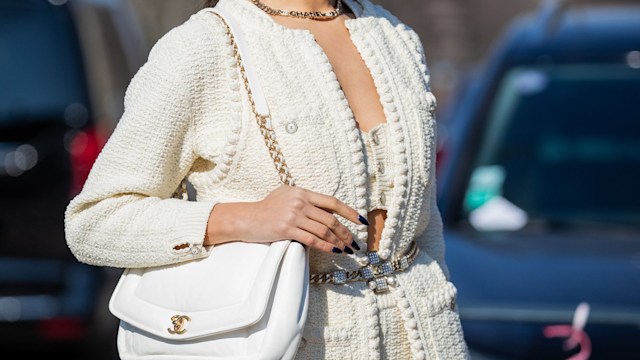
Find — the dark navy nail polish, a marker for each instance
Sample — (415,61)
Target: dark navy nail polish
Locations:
(336,250)
(363,220)
(348,250)
(355,245)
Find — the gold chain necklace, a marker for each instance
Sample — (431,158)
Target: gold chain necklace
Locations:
(301,14)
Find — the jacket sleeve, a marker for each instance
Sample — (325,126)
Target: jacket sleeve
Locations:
(124,215)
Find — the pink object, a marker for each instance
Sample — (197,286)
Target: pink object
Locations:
(575,333)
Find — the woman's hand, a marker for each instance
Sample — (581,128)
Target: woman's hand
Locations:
(288,212)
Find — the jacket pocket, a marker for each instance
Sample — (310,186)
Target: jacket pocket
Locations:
(327,342)
(307,144)
(442,325)
(435,299)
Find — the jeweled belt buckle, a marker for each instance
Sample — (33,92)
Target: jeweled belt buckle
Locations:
(377,273)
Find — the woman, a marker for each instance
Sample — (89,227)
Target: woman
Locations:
(351,107)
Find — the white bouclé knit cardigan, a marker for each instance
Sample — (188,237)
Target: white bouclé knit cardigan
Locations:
(187,115)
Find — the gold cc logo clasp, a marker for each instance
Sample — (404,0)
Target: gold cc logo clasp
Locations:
(179,323)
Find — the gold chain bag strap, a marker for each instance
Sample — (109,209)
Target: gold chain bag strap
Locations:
(243,301)
(264,120)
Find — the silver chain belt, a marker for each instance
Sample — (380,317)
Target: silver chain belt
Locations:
(375,273)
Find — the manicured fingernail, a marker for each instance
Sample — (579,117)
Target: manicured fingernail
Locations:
(363,220)
(336,250)
(348,250)
(355,245)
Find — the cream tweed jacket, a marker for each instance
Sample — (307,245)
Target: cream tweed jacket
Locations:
(187,115)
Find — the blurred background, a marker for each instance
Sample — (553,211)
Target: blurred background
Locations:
(538,166)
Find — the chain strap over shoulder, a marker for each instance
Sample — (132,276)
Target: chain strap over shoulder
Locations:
(267,132)
(263,122)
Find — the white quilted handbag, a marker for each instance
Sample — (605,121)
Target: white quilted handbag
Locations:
(244,301)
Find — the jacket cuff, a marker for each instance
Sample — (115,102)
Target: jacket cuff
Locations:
(191,224)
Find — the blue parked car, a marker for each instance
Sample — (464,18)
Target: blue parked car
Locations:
(539,186)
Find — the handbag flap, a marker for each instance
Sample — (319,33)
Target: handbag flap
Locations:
(228,290)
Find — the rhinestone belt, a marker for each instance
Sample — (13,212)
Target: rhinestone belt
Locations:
(375,273)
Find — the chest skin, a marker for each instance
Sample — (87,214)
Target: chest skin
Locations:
(356,82)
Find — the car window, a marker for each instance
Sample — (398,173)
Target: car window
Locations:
(561,143)
(38,50)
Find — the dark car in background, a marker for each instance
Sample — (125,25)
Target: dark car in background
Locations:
(539,185)
(49,139)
